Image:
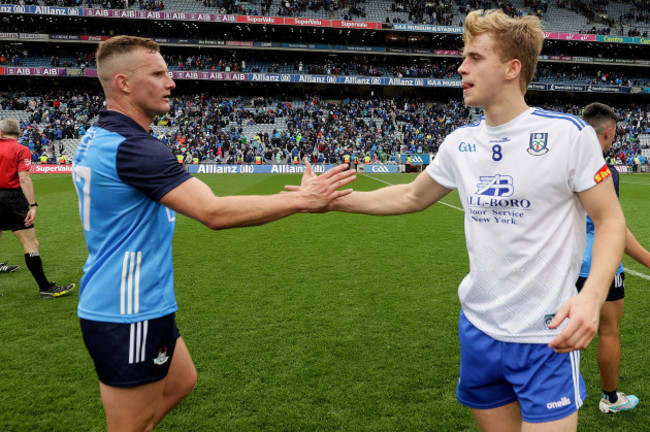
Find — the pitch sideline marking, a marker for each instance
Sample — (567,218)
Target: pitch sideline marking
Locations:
(627,271)
(637,274)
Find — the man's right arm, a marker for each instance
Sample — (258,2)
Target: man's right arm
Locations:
(412,197)
(195,199)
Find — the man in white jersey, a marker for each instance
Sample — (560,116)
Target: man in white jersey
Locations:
(525,178)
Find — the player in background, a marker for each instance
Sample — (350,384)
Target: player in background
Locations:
(525,177)
(603,119)
(18,206)
(130,186)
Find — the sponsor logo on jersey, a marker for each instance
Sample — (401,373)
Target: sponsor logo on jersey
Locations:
(537,144)
(559,404)
(498,185)
(464,147)
(500,140)
(493,191)
(162,358)
(602,174)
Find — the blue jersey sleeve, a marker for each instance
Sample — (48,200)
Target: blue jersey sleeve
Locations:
(149,166)
(615,179)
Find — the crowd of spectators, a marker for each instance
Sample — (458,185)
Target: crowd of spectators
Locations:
(211,129)
(640,13)
(444,12)
(104,4)
(11,55)
(440,68)
(281,129)
(633,122)
(221,61)
(51,118)
(590,74)
(235,7)
(297,7)
(339,64)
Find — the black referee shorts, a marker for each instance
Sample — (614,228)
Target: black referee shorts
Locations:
(13,210)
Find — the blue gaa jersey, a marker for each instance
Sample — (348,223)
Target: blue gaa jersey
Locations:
(120,172)
(586,260)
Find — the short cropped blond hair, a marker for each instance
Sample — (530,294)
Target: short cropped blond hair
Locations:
(120,45)
(10,126)
(515,38)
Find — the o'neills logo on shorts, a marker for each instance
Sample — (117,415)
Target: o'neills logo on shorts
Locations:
(559,404)
(602,174)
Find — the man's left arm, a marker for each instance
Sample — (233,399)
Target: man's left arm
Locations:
(583,310)
(28,190)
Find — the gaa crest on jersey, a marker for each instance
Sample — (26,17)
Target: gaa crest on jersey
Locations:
(537,144)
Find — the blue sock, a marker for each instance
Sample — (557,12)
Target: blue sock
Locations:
(612,396)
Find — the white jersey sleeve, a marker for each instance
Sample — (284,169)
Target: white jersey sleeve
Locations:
(586,153)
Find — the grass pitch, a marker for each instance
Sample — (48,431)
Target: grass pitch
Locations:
(330,322)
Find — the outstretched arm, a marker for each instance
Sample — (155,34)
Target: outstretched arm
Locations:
(392,200)
(583,310)
(195,199)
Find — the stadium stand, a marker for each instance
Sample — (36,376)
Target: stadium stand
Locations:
(393,118)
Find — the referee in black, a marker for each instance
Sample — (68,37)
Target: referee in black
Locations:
(18,206)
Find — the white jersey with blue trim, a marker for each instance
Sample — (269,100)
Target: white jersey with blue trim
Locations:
(524,223)
(120,172)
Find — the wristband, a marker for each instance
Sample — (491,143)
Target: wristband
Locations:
(33,205)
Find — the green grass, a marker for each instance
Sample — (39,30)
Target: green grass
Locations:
(330,322)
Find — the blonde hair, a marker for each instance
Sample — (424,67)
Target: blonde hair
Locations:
(515,38)
(10,126)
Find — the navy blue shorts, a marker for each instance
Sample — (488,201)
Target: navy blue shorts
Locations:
(616,289)
(128,355)
(548,385)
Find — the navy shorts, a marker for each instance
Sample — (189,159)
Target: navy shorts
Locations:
(548,385)
(13,210)
(616,290)
(128,355)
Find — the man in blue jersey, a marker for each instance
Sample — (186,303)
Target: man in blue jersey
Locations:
(129,187)
(603,119)
(525,177)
